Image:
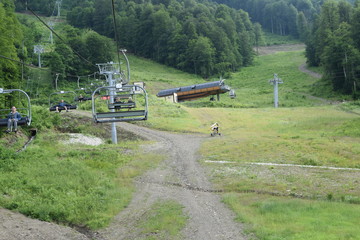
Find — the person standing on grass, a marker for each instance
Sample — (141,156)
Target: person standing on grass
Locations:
(13,119)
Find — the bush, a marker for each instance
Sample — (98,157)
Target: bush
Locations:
(42,118)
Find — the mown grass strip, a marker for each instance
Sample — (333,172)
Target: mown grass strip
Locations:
(164,220)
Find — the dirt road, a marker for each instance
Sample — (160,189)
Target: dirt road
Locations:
(179,178)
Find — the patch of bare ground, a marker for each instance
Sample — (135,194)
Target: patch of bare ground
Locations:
(179,178)
(301,181)
(15,226)
(266,50)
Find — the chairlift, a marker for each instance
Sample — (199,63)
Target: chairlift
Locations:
(25,112)
(82,95)
(123,101)
(121,109)
(69,102)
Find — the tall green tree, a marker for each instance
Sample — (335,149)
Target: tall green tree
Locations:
(302,26)
(10,41)
(355,26)
(258,36)
(163,26)
(201,53)
(341,59)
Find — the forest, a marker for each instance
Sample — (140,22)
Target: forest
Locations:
(334,44)
(201,37)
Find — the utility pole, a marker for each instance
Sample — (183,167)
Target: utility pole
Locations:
(78,81)
(39,49)
(56,80)
(110,70)
(58,5)
(51,25)
(276,82)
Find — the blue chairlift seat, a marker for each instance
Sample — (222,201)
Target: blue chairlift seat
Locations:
(121,105)
(116,114)
(125,116)
(54,104)
(24,112)
(68,106)
(23,121)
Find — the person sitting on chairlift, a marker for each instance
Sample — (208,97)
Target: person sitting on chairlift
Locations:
(118,100)
(80,98)
(62,104)
(130,100)
(13,119)
(215,127)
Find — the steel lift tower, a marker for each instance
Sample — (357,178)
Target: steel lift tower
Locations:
(110,70)
(276,82)
(39,49)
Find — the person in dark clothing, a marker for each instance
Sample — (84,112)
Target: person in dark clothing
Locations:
(62,104)
(13,119)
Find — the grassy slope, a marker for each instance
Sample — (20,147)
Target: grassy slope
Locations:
(71,184)
(302,131)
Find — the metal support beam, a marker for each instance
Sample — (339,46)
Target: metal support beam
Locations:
(39,49)
(275,82)
(110,69)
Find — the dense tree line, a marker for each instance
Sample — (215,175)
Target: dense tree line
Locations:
(202,38)
(283,17)
(75,54)
(334,43)
(78,53)
(11,38)
(199,37)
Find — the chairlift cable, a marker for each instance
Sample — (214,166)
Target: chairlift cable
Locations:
(79,55)
(21,62)
(43,69)
(116,34)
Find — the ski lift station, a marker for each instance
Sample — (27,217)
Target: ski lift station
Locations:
(193,92)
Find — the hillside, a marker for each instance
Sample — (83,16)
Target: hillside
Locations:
(278,170)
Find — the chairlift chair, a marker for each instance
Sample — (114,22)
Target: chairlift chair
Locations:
(121,111)
(54,103)
(25,112)
(84,92)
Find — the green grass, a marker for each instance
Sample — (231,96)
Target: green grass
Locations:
(318,135)
(70,184)
(253,89)
(164,220)
(275,39)
(158,77)
(302,131)
(285,218)
(40,182)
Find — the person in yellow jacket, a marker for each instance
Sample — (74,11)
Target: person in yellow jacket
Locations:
(215,127)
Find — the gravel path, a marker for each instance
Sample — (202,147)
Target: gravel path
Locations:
(178,178)
(15,226)
(303,68)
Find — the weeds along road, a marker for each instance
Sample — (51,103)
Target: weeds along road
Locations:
(179,178)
